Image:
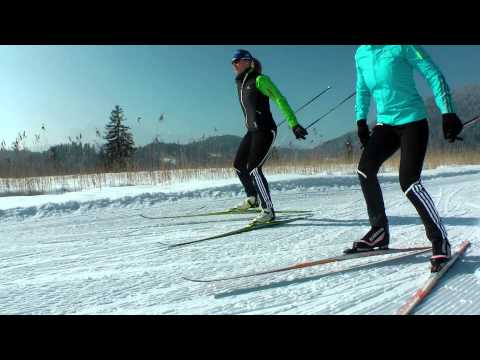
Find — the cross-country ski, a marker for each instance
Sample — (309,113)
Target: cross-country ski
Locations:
(243,229)
(433,279)
(335,259)
(219,213)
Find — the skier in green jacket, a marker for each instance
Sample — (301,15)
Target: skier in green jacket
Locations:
(385,72)
(254,92)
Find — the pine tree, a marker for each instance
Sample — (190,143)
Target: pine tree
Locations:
(120,146)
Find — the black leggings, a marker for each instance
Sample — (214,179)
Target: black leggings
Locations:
(412,139)
(252,153)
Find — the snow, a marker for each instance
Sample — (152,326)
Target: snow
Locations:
(91,253)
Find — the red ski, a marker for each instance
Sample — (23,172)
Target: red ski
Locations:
(426,289)
(411,251)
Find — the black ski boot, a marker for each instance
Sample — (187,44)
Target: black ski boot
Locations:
(441,254)
(376,238)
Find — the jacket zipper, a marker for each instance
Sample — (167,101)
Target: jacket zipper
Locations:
(374,75)
(241,97)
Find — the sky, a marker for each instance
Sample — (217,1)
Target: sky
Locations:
(71,90)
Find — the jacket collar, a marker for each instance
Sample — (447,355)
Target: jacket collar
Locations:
(245,73)
(373,47)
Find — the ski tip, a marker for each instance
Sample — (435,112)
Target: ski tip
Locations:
(194,280)
(465,243)
(152,217)
(167,246)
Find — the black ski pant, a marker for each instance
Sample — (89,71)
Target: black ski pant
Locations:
(412,140)
(252,153)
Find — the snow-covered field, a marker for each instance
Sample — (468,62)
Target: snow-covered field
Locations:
(91,253)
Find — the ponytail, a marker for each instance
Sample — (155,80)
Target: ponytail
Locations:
(257,65)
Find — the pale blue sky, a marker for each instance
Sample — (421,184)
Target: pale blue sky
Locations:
(72,89)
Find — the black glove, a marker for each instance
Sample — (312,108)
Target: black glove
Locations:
(300,132)
(452,126)
(363,132)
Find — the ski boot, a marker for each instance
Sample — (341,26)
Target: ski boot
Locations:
(250,202)
(441,254)
(376,238)
(266,216)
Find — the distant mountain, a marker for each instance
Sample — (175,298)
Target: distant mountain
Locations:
(214,150)
(467,103)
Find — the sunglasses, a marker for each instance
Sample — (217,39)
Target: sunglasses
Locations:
(236,61)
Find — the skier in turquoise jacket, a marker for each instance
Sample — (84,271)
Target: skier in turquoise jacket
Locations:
(385,73)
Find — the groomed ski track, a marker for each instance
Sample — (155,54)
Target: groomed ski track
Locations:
(91,253)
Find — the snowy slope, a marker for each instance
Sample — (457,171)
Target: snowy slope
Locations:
(91,252)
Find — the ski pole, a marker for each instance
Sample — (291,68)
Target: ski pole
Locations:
(306,104)
(471,122)
(467,124)
(331,110)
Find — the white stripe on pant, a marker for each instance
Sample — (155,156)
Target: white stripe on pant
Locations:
(422,195)
(261,187)
(258,179)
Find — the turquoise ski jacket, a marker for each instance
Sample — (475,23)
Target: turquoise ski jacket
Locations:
(386,73)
